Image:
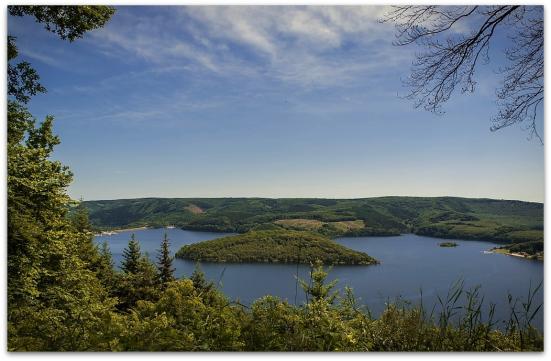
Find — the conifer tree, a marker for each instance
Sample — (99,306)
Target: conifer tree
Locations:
(131,256)
(80,218)
(166,271)
(141,284)
(106,267)
(88,250)
(55,302)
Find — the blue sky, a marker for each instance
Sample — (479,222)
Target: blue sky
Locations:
(268,102)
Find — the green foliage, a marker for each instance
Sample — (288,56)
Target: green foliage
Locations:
(323,325)
(36,200)
(141,285)
(199,280)
(499,221)
(281,246)
(106,268)
(23,82)
(55,300)
(317,289)
(448,244)
(80,218)
(184,319)
(68,22)
(140,279)
(528,247)
(532,250)
(131,256)
(164,266)
(88,249)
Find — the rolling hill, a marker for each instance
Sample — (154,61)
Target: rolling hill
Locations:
(502,221)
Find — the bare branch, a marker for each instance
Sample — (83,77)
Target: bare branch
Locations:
(451,55)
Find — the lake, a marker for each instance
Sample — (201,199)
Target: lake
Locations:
(409,264)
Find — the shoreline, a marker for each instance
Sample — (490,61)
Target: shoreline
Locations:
(119,230)
(115,231)
(514,254)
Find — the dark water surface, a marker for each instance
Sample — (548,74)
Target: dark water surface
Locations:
(409,264)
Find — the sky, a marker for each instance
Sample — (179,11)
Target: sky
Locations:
(265,102)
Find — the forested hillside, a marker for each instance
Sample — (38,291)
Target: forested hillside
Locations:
(501,221)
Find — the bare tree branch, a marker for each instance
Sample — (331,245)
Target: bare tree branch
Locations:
(451,55)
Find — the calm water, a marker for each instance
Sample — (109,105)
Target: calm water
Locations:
(409,263)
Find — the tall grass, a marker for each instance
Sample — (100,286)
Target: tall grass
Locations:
(460,320)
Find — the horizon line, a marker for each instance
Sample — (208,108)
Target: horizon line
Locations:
(328,198)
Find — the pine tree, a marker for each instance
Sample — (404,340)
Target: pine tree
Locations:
(106,267)
(80,218)
(131,255)
(88,249)
(147,280)
(55,302)
(143,284)
(166,272)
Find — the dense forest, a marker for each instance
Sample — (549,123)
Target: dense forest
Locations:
(500,221)
(64,293)
(276,246)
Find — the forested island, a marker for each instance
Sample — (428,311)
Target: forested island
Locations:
(274,246)
(501,221)
(448,244)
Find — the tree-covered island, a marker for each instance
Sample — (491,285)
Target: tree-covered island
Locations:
(275,246)
(447,244)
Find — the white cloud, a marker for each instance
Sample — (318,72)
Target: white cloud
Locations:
(302,45)
(274,28)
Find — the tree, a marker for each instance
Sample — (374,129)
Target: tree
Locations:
(140,280)
(68,22)
(23,80)
(199,280)
(450,59)
(106,267)
(164,266)
(131,256)
(81,218)
(36,198)
(88,249)
(140,284)
(318,290)
(55,302)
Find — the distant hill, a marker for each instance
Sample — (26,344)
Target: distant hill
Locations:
(276,246)
(501,221)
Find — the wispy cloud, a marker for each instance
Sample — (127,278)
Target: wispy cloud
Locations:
(40,57)
(301,45)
